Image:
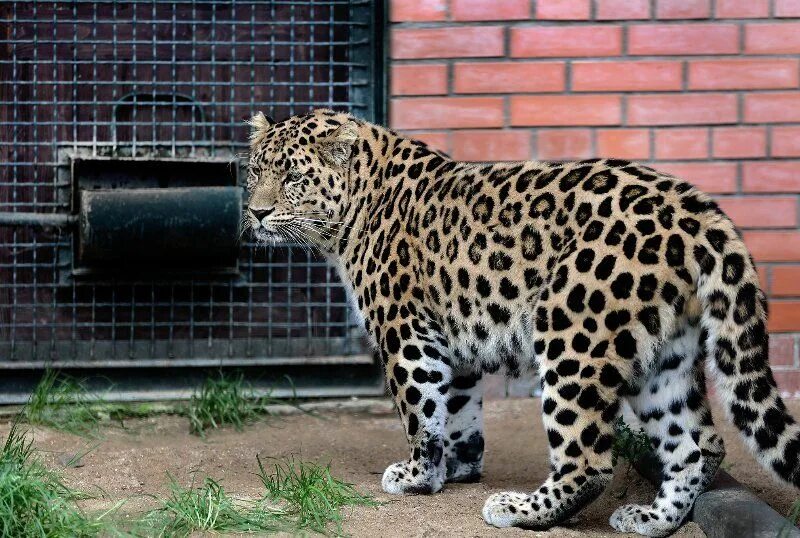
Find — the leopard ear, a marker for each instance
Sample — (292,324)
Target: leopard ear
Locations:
(336,148)
(259,125)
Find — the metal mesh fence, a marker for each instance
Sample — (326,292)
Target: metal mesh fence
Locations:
(174,80)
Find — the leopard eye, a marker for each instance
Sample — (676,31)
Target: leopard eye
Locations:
(252,179)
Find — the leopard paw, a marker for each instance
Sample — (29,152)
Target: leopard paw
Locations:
(406,477)
(506,509)
(641,519)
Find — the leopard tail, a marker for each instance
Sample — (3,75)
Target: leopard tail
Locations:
(735,322)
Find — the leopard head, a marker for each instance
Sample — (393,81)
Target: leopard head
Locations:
(297,177)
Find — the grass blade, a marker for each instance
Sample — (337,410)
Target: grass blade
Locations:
(63,403)
(227,400)
(310,494)
(35,501)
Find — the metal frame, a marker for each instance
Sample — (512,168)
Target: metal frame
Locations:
(77,80)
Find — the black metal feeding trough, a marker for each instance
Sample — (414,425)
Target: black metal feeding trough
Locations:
(140,216)
(120,193)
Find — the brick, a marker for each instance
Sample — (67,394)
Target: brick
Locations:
(490,10)
(738,142)
(784,316)
(761,211)
(435,139)
(788,383)
(491,145)
(563,144)
(683,9)
(777,246)
(787,8)
(743,74)
(712,177)
(622,9)
(682,143)
(451,42)
(423,79)
(626,76)
(417,10)
(623,143)
(772,38)
(781,350)
(763,278)
(446,112)
(562,9)
(771,176)
(670,39)
(509,77)
(785,281)
(565,110)
(738,9)
(785,141)
(687,109)
(778,107)
(567,41)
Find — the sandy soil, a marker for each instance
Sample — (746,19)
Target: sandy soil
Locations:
(133,462)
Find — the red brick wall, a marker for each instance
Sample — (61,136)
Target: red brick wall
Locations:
(705,89)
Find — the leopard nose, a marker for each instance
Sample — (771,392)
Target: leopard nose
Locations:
(261,212)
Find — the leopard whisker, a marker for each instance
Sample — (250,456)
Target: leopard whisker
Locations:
(298,237)
(315,223)
(323,233)
(326,222)
(308,249)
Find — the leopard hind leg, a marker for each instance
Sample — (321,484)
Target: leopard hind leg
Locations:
(671,403)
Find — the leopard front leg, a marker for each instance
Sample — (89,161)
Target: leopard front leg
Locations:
(463,445)
(419,379)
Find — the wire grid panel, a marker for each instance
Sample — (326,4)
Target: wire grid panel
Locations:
(171,79)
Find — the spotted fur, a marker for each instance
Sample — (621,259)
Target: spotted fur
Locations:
(614,282)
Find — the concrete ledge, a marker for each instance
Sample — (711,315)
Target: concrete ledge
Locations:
(371,406)
(728,509)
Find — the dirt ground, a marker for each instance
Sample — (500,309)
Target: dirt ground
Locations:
(133,462)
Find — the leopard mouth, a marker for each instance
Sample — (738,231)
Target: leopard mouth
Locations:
(267,236)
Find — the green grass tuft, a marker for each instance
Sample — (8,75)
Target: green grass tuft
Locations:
(298,496)
(628,444)
(63,403)
(34,501)
(226,400)
(207,508)
(219,401)
(310,494)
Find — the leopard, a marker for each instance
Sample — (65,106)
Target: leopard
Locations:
(620,286)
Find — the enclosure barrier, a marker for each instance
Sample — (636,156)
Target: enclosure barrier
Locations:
(121,147)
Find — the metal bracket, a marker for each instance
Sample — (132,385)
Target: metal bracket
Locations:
(42,220)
